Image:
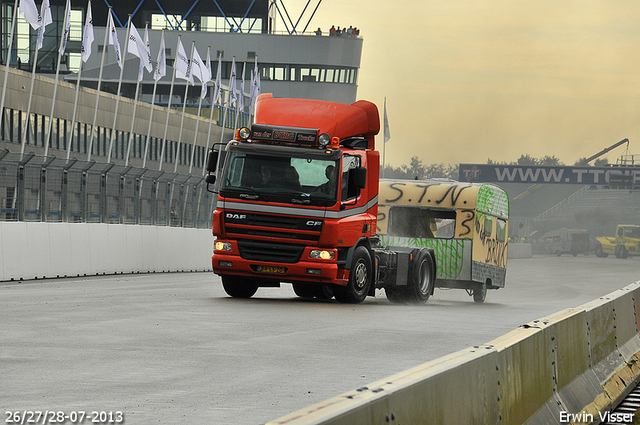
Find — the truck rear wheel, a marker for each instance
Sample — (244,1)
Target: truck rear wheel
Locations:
(239,287)
(360,276)
(422,278)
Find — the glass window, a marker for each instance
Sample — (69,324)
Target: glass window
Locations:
(501,230)
(488,225)
(418,222)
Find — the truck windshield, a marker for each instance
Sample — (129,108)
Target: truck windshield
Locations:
(295,180)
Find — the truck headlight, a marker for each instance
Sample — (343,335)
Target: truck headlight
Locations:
(223,246)
(322,254)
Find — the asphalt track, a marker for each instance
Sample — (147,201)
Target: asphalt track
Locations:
(173,348)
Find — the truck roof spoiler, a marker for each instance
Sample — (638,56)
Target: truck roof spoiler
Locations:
(336,119)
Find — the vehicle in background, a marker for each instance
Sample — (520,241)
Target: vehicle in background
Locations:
(626,242)
(565,241)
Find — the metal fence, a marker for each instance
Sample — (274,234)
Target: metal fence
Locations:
(50,189)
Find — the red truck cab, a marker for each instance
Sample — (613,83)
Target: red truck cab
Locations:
(298,200)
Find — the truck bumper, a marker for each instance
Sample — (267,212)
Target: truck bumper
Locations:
(302,271)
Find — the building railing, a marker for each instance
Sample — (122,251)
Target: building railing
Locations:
(50,189)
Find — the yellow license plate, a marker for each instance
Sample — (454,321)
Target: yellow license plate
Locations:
(271,269)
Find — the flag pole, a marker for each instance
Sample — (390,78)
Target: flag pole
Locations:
(195,134)
(384,141)
(63,42)
(184,105)
(135,99)
(166,124)
(231,79)
(213,102)
(25,128)
(85,48)
(240,99)
(212,108)
(156,77)
(115,112)
(6,66)
(95,111)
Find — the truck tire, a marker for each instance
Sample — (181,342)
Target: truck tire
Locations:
(304,290)
(422,278)
(599,252)
(239,287)
(623,252)
(360,276)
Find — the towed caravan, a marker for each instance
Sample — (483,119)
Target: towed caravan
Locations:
(465,224)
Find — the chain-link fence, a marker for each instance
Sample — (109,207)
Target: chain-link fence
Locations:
(36,188)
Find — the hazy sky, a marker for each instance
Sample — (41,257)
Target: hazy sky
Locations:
(466,81)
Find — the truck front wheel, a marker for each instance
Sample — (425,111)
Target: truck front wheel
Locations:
(599,251)
(360,275)
(239,287)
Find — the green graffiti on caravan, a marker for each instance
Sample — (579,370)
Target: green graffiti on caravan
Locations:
(493,200)
(449,252)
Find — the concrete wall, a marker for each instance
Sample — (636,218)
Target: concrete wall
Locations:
(579,361)
(33,250)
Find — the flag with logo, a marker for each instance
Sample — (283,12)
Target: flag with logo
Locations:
(208,71)
(200,71)
(161,66)
(45,19)
(183,70)
(66,27)
(255,87)
(87,35)
(29,12)
(113,40)
(233,93)
(216,96)
(241,94)
(138,47)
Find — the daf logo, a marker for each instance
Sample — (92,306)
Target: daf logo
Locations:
(236,216)
(314,223)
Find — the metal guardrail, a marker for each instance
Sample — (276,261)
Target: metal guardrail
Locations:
(50,189)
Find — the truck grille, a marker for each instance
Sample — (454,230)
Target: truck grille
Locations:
(274,252)
(296,229)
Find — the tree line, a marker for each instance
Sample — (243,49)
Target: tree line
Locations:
(417,170)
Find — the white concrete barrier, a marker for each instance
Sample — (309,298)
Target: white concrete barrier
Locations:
(32,250)
(565,368)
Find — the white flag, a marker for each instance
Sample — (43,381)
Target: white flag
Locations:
(87,36)
(216,95)
(66,27)
(199,70)
(138,47)
(387,132)
(30,13)
(148,51)
(183,70)
(207,70)
(161,66)
(241,94)
(255,87)
(45,19)
(113,40)
(233,94)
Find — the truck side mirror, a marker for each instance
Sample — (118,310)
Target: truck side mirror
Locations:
(210,179)
(212,161)
(361,177)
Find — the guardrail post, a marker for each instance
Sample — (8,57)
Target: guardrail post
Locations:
(65,189)
(103,193)
(20,183)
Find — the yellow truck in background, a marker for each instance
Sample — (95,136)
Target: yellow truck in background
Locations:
(626,242)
